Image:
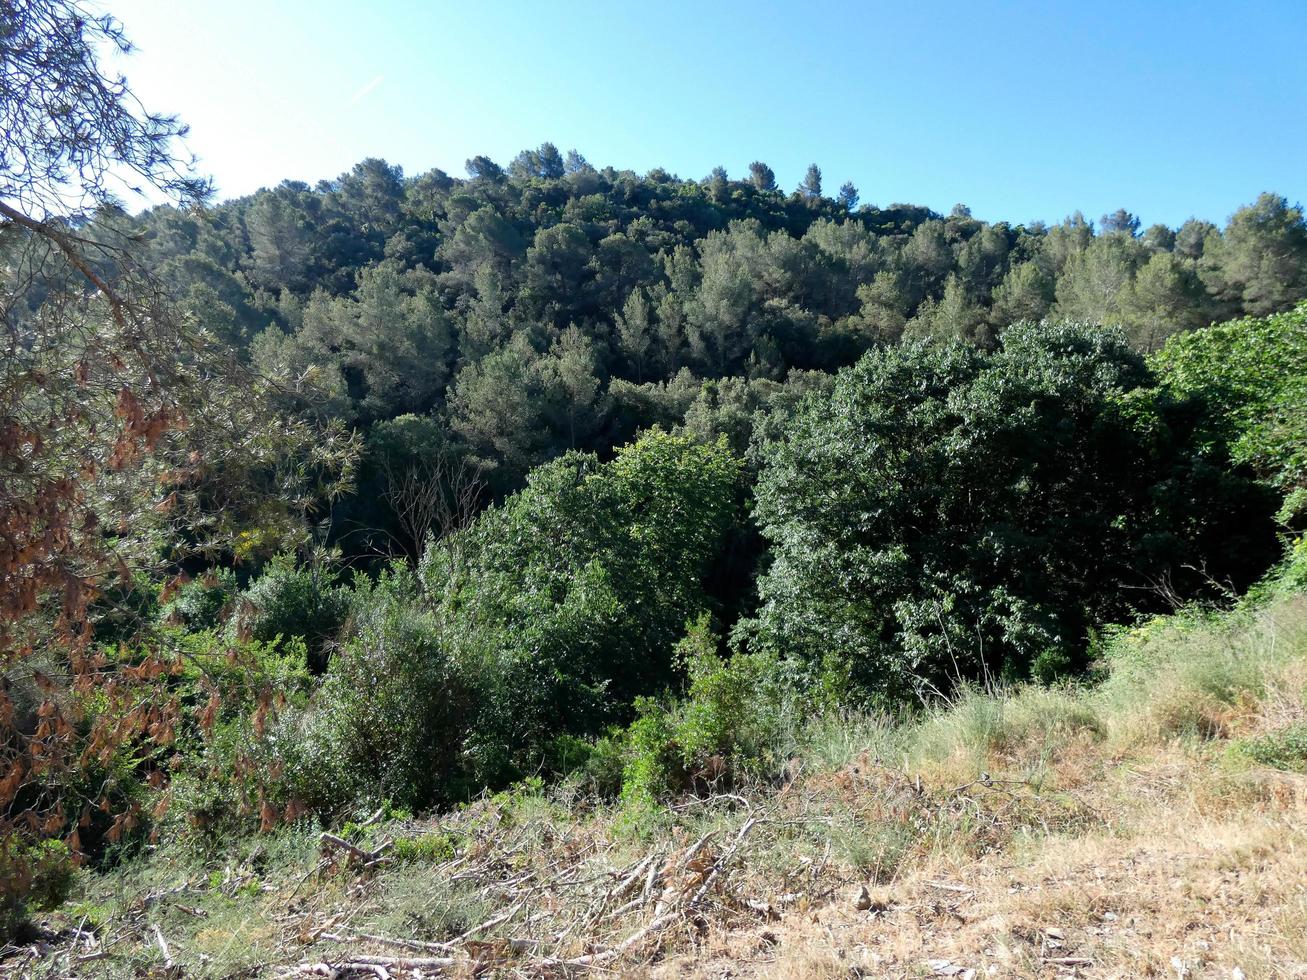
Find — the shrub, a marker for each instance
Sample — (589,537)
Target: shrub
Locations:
(651,759)
(732,721)
(200,603)
(429,848)
(232,694)
(34,876)
(1283,749)
(1190,673)
(734,708)
(390,718)
(1028,721)
(563,604)
(949,515)
(289,600)
(522,636)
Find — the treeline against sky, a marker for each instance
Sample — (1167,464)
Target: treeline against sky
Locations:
(553,305)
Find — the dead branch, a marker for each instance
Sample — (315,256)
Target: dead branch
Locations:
(364,857)
(433,497)
(664,920)
(163,947)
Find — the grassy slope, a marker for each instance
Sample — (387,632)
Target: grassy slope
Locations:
(1125,829)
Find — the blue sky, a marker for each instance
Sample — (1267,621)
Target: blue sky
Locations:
(1022,110)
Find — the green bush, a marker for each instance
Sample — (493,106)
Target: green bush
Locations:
(201,602)
(520,639)
(233,695)
(289,600)
(429,848)
(563,604)
(652,760)
(234,674)
(601,772)
(950,515)
(733,721)
(1283,749)
(1183,674)
(1027,719)
(734,708)
(391,717)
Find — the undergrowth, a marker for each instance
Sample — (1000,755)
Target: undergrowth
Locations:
(1185,711)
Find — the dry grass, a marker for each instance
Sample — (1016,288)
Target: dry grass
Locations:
(1107,832)
(1165,881)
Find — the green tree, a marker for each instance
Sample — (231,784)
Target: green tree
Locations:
(1095,281)
(279,241)
(559,273)
(1119,222)
(1065,240)
(810,186)
(495,405)
(483,168)
(575,163)
(635,331)
(390,341)
(1026,293)
(884,304)
(1165,297)
(483,238)
(487,324)
(570,387)
(927,259)
(1191,238)
(946,515)
(545,163)
(1159,238)
(762,176)
(719,185)
(952,317)
(1259,265)
(717,322)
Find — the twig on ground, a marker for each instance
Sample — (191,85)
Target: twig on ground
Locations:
(163,946)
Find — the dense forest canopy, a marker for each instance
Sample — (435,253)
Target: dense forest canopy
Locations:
(552,305)
(392,490)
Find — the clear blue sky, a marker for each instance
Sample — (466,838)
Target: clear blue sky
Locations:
(1023,110)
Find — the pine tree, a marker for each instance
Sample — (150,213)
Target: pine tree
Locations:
(762,176)
(810,188)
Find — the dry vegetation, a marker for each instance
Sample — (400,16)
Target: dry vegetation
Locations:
(1152,825)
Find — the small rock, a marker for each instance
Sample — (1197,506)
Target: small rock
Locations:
(862,899)
(947,968)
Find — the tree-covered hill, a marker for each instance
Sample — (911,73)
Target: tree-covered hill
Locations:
(629,491)
(553,305)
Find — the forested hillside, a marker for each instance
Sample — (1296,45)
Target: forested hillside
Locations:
(481,509)
(551,305)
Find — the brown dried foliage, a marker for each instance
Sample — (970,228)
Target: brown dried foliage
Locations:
(123,430)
